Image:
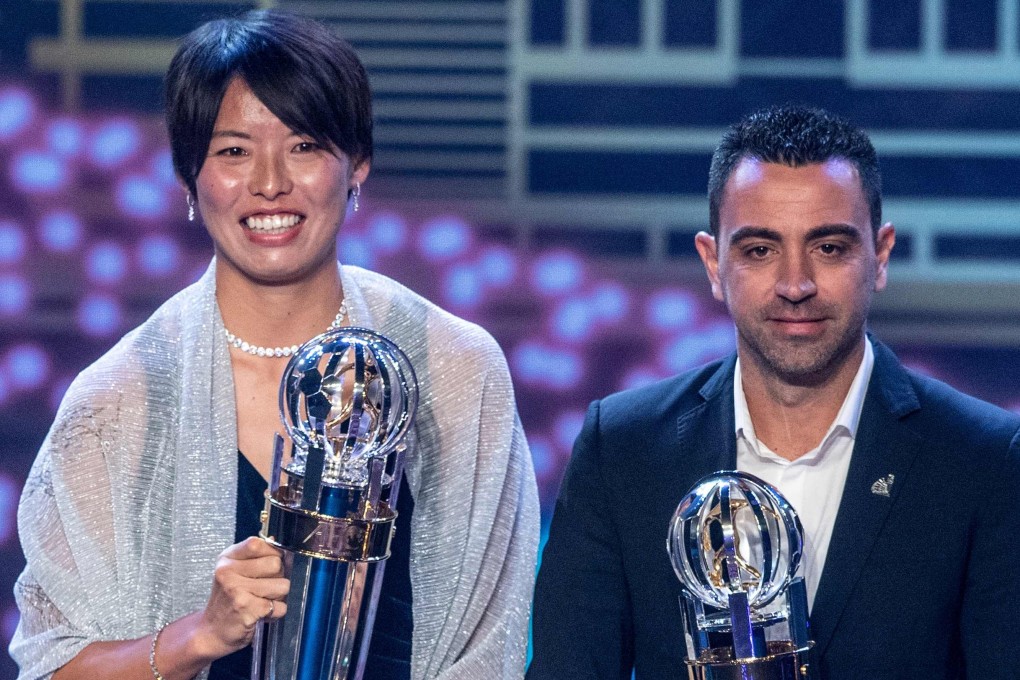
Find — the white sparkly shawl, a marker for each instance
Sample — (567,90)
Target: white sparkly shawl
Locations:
(132,496)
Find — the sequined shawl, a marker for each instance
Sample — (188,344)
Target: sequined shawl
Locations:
(132,495)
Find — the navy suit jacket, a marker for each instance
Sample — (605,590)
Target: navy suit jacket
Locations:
(924,583)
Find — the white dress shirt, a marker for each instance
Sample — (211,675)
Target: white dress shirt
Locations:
(813,483)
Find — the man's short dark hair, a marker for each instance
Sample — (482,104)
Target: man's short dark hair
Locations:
(309,77)
(794,136)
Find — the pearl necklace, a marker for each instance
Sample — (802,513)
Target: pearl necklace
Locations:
(257,351)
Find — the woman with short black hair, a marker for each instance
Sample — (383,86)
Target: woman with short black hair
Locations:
(137,518)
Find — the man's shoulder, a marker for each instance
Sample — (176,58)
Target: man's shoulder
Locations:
(944,410)
(676,395)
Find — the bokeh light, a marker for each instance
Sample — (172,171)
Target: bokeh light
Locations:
(671,309)
(498,266)
(556,273)
(539,364)
(65,137)
(38,172)
(162,168)
(388,232)
(99,315)
(106,262)
(60,231)
(8,509)
(573,320)
(158,255)
(141,197)
(114,142)
(15,294)
(17,109)
(27,365)
(13,242)
(444,238)
(463,286)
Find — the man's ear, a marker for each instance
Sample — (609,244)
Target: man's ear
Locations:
(708,251)
(884,242)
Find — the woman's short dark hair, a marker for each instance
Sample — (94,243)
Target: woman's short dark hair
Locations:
(309,77)
(795,136)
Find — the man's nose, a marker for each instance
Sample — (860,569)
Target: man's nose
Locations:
(796,280)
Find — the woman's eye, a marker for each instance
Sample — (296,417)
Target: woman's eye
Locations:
(305,147)
(231,151)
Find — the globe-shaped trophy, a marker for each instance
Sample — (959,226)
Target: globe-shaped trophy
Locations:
(347,400)
(736,544)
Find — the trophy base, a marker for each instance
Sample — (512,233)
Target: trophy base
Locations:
(783,662)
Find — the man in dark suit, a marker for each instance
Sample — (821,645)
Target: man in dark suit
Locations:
(907,488)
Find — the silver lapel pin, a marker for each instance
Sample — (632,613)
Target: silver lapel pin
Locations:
(883,485)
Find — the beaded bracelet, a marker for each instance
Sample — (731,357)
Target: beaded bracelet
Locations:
(152,654)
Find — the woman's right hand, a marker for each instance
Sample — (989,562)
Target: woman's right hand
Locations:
(248,585)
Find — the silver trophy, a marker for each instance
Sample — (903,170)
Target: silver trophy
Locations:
(347,400)
(736,544)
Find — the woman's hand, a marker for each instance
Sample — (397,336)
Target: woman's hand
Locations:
(248,585)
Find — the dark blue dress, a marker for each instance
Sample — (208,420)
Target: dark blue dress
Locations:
(389,654)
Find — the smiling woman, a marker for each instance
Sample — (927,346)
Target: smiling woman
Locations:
(138,518)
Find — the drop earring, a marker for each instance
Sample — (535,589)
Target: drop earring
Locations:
(191,208)
(355,194)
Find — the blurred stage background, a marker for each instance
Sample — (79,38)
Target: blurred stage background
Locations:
(540,169)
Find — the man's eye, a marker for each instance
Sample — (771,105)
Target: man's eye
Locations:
(758,252)
(830,249)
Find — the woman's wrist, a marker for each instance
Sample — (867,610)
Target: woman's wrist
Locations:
(183,649)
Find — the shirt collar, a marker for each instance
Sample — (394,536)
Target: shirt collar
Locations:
(846,421)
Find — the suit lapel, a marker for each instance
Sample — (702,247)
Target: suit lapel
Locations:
(705,433)
(883,447)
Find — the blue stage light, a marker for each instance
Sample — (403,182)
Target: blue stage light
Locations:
(12,617)
(99,315)
(114,142)
(538,364)
(28,366)
(557,273)
(463,286)
(672,310)
(141,197)
(65,137)
(60,231)
(610,302)
(9,494)
(444,238)
(162,167)
(388,233)
(694,349)
(13,242)
(16,112)
(106,262)
(498,266)
(38,172)
(639,377)
(566,428)
(5,385)
(57,390)
(355,249)
(14,295)
(543,455)
(573,320)
(158,255)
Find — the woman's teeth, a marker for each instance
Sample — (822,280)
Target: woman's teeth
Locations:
(272,223)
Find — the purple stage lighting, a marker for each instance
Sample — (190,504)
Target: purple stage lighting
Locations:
(573,320)
(27,365)
(672,310)
(37,172)
(10,623)
(60,231)
(610,302)
(639,377)
(65,137)
(13,242)
(162,168)
(158,255)
(17,109)
(114,142)
(14,295)
(566,428)
(388,232)
(444,238)
(9,493)
(141,197)
(355,249)
(556,273)
(463,286)
(106,262)
(498,266)
(694,349)
(543,456)
(57,390)
(538,364)
(99,315)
